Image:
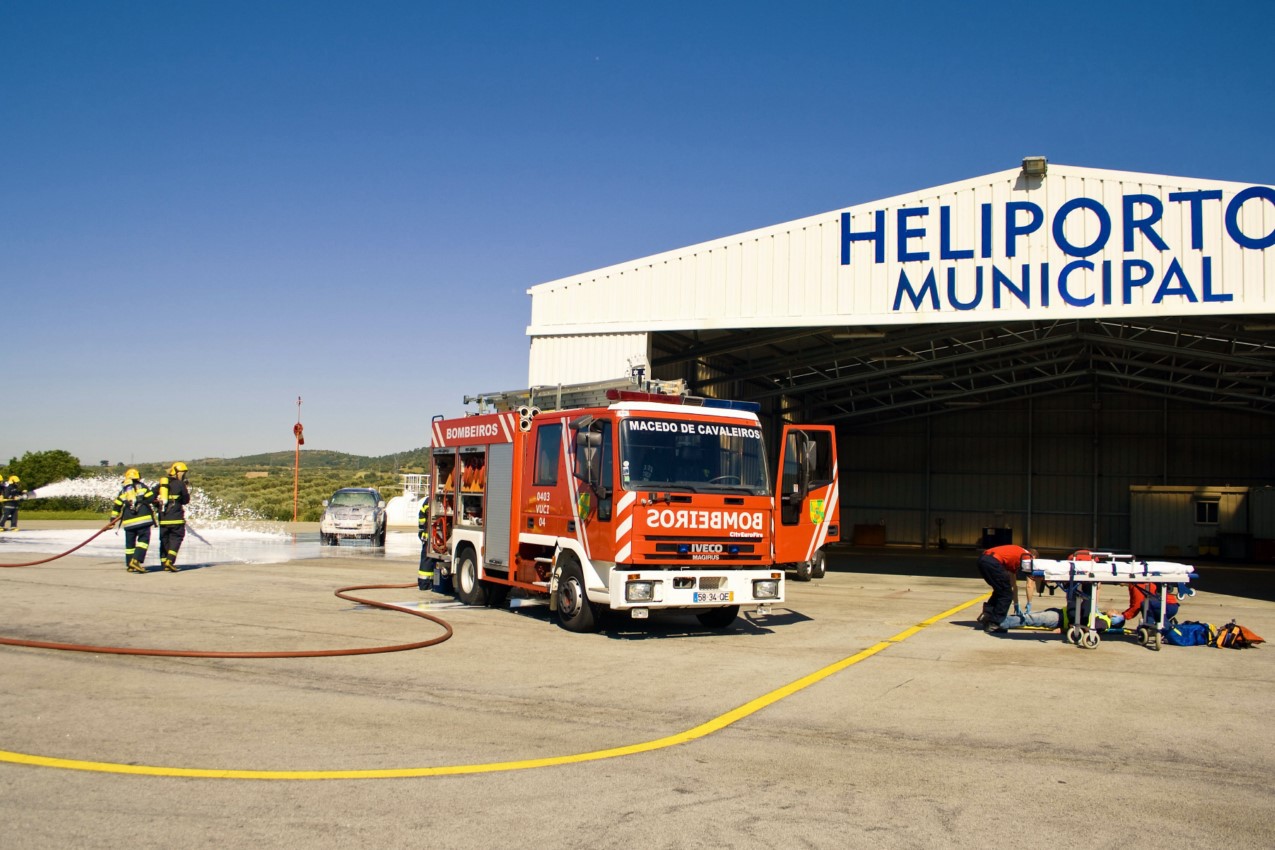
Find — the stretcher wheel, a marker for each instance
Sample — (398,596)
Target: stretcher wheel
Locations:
(1154,641)
(1074,634)
(1090,640)
(1144,635)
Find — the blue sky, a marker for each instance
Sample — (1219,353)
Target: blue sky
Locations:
(208,209)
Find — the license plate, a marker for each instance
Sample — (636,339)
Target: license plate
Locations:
(714,596)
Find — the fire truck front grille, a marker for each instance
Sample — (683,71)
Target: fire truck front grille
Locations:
(694,552)
(721,548)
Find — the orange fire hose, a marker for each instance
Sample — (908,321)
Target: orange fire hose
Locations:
(100,532)
(342,592)
(301,653)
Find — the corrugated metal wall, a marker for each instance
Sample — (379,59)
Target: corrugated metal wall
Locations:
(1057,471)
(578,359)
(1165,522)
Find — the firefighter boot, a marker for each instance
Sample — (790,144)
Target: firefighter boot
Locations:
(168,564)
(135,566)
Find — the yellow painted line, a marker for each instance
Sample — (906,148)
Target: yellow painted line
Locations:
(714,725)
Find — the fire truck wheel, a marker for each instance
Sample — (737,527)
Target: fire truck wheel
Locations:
(803,571)
(820,567)
(468,588)
(718,618)
(575,610)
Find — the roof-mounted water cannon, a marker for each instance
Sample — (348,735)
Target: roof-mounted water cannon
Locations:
(482,401)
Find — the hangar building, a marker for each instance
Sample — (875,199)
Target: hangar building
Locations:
(1061,356)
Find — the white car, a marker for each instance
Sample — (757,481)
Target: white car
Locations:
(353,513)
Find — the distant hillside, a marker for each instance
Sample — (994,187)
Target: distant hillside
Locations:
(263,484)
(414,460)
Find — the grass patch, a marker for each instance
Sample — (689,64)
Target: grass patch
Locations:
(84,514)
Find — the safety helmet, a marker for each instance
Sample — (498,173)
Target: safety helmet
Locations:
(13,479)
(132,475)
(176,468)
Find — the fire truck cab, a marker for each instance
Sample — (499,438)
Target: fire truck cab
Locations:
(638,501)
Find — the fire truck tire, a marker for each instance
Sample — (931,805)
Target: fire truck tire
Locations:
(575,611)
(803,571)
(820,567)
(469,589)
(718,618)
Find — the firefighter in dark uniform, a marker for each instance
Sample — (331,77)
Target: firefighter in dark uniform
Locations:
(424,575)
(134,508)
(173,495)
(10,494)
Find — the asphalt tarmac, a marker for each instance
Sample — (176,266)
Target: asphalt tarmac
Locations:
(865,712)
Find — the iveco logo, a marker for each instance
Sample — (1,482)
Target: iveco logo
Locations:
(707,547)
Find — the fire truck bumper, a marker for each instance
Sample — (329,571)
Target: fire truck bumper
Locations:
(694,588)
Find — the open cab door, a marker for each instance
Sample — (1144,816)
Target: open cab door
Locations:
(806,499)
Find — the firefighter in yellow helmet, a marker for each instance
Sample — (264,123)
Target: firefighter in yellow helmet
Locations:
(10,493)
(172,495)
(134,508)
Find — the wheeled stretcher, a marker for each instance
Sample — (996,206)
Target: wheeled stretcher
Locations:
(1098,568)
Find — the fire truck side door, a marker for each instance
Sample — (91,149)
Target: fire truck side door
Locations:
(543,501)
(595,475)
(806,493)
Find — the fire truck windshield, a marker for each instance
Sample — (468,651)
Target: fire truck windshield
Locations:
(695,455)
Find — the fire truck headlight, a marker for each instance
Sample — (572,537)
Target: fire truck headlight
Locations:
(639,591)
(766,588)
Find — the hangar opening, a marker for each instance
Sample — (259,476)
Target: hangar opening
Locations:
(1077,358)
(1040,429)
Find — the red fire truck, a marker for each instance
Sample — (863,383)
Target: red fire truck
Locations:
(627,497)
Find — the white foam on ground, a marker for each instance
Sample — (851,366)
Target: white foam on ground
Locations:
(225,545)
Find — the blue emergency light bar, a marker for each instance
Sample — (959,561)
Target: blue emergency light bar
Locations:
(728,404)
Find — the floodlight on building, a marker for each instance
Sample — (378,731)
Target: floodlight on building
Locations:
(1035,166)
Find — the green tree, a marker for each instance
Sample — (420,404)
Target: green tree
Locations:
(37,469)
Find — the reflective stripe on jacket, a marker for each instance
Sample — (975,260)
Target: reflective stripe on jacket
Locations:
(133,505)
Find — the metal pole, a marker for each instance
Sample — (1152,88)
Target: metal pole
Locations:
(296,465)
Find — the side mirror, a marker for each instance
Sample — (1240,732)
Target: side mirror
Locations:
(809,459)
(589,443)
(325,503)
(381,504)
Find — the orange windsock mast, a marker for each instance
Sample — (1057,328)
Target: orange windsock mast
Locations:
(299,433)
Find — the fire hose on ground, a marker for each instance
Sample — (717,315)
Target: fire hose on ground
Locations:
(341,592)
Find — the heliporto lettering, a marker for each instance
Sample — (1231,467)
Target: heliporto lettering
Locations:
(964,280)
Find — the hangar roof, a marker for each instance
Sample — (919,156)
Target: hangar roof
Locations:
(1027,282)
